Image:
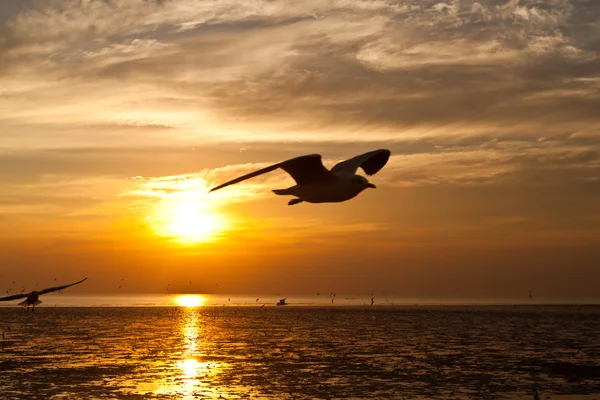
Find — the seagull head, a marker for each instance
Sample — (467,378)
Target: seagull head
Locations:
(362,182)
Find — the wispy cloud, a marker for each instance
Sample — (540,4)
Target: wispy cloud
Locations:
(259,70)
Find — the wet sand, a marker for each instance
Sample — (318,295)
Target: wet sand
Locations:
(387,352)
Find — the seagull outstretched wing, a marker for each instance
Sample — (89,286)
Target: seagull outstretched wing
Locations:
(56,288)
(370,162)
(304,169)
(14,297)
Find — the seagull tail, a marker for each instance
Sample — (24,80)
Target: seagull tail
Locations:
(37,302)
(23,303)
(282,192)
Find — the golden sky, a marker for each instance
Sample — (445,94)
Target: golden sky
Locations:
(116,117)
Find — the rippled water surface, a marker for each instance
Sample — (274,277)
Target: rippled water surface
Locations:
(300,352)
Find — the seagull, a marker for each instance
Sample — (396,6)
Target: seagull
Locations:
(282,302)
(317,184)
(31,299)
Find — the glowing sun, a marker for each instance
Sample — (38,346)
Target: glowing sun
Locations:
(189,223)
(187,220)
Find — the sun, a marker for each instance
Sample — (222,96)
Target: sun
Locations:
(190,300)
(186,219)
(191,224)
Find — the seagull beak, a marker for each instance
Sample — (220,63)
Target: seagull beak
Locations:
(370,185)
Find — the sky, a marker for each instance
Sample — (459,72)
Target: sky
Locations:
(117,117)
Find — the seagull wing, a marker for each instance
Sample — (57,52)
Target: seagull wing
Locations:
(57,288)
(370,162)
(304,169)
(14,297)
(307,169)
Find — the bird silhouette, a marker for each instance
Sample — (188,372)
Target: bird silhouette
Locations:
(317,184)
(282,302)
(32,298)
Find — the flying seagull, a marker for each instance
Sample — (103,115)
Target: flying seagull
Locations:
(31,299)
(317,184)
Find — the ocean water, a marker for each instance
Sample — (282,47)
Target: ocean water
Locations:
(298,351)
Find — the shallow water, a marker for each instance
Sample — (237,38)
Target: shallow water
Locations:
(300,352)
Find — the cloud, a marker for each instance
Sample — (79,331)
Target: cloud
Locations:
(372,68)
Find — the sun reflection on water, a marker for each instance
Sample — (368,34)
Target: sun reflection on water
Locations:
(188,374)
(190,300)
(195,374)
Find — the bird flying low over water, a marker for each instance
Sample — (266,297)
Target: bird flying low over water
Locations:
(31,299)
(317,184)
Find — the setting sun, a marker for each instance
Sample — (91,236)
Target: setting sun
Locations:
(188,219)
(190,224)
(190,300)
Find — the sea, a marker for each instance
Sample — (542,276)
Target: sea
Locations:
(247,347)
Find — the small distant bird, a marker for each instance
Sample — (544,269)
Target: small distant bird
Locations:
(263,306)
(31,299)
(282,302)
(318,294)
(530,295)
(372,300)
(256,301)
(190,282)
(119,286)
(332,299)
(317,184)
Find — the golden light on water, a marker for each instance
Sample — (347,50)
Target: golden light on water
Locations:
(190,300)
(190,367)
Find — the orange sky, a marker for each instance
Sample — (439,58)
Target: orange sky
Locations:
(117,117)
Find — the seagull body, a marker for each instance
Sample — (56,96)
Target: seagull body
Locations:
(32,298)
(282,302)
(317,184)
